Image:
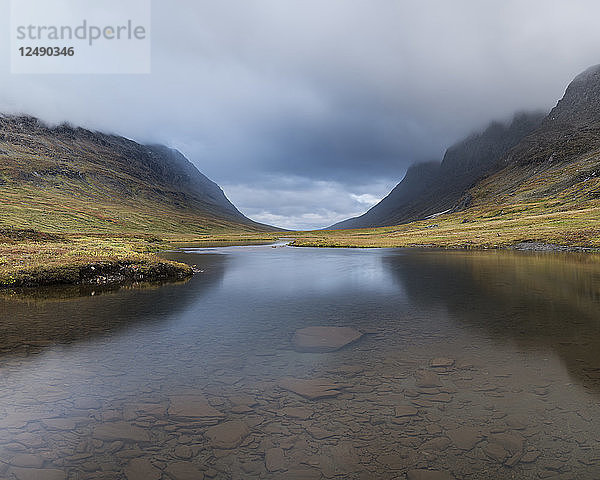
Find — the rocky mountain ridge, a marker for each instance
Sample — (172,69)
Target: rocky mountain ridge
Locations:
(431,188)
(124,183)
(533,158)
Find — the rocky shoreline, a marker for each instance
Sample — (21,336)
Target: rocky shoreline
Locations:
(413,417)
(549,247)
(521,246)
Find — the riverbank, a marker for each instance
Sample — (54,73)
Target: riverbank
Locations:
(507,227)
(33,258)
(29,258)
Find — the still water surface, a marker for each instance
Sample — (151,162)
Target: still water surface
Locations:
(184,381)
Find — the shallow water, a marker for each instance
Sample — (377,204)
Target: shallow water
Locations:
(135,382)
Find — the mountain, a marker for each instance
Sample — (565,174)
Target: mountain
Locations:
(75,180)
(432,188)
(558,164)
(570,128)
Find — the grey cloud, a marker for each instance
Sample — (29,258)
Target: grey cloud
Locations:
(348,92)
(303,203)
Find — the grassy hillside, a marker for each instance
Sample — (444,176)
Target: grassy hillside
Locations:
(74,180)
(545,188)
(430,188)
(549,203)
(84,207)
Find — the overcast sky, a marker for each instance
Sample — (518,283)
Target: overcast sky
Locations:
(307,112)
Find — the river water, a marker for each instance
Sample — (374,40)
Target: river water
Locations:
(473,365)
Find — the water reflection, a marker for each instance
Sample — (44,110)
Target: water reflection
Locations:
(33,319)
(536,300)
(461,370)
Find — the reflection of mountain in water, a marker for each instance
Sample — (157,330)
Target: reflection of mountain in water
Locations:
(34,319)
(537,300)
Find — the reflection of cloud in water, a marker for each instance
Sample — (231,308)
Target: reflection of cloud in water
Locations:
(320,272)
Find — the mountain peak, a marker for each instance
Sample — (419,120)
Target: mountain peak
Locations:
(431,188)
(580,104)
(88,180)
(590,74)
(571,128)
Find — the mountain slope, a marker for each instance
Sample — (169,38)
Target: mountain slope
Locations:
(431,188)
(544,194)
(557,164)
(67,179)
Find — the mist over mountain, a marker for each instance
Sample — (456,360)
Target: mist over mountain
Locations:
(69,178)
(533,157)
(572,127)
(559,162)
(430,188)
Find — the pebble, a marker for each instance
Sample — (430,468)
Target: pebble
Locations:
(428,475)
(142,469)
(274,460)
(441,362)
(184,471)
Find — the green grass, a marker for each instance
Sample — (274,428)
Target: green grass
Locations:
(66,206)
(577,229)
(557,204)
(71,200)
(475,228)
(31,259)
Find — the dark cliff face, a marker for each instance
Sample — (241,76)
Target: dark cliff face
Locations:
(580,105)
(571,128)
(172,166)
(431,188)
(101,168)
(417,183)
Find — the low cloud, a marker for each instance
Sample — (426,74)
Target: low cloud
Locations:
(366,199)
(302,203)
(343,92)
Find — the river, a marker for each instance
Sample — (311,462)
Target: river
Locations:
(472,365)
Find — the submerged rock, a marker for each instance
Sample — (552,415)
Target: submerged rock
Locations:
(121,431)
(38,474)
(441,362)
(428,475)
(319,433)
(464,438)
(184,471)
(193,406)
(427,379)
(274,460)
(228,435)
(297,412)
(496,451)
(312,389)
(303,473)
(405,411)
(511,442)
(141,469)
(324,339)
(27,460)
(64,423)
(438,444)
